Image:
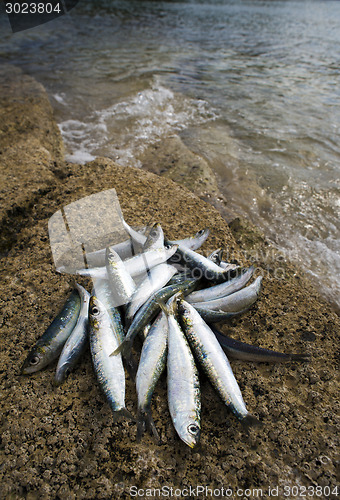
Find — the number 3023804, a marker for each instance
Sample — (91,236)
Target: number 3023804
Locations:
(32,8)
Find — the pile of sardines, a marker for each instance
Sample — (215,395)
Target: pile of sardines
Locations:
(167,294)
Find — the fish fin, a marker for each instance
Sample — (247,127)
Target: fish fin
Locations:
(124,348)
(145,421)
(163,307)
(250,421)
(299,357)
(122,413)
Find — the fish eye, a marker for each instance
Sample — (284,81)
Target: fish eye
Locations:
(200,232)
(193,429)
(35,360)
(153,233)
(167,246)
(95,311)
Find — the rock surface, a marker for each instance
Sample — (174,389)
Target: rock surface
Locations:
(61,442)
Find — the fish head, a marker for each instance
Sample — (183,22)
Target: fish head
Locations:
(112,257)
(62,373)
(171,305)
(96,311)
(169,249)
(155,233)
(35,361)
(201,236)
(190,433)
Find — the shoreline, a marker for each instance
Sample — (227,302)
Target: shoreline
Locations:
(61,443)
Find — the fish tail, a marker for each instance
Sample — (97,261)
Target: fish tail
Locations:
(145,421)
(131,364)
(250,421)
(300,357)
(122,413)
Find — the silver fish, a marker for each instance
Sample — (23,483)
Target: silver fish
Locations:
(122,285)
(236,302)
(216,256)
(246,352)
(193,242)
(183,383)
(228,266)
(157,277)
(76,342)
(213,360)
(211,316)
(200,266)
(136,265)
(155,238)
(222,290)
(109,370)
(149,310)
(102,290)
(151,365)
(138,238)
(147,260)
(51,343)
(97,258)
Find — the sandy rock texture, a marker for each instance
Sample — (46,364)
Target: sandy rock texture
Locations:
(61,442)
(172,159)
(29,142)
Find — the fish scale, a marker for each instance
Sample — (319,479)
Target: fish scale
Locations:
(213,360)
(109,370)
(184,397)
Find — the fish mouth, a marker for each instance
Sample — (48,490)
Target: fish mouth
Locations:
(26,369)
(192,441)
(61,375)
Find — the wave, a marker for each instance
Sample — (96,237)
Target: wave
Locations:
(123,130)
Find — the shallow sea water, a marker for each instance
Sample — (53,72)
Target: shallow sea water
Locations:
(253,86)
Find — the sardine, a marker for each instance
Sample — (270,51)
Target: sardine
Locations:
(193,242)
(228,266)
(77,341)
(109,370)
(155,238)
(201,266)
(147,260)
(51,343)
(156,279)
(150,309)
(213,360)
(138,238)
(97,258)
(236,302)
(241,350)
(151,365)
(216,256)
(102,290)
(184,396)
(211,316)
(122,285)
(136,265)
(222,290)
